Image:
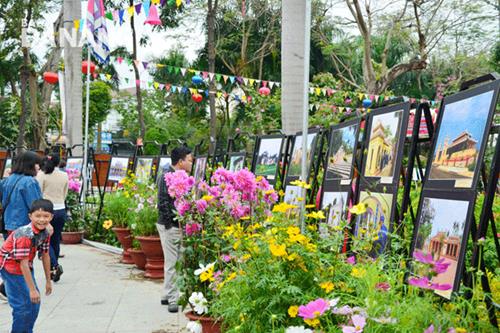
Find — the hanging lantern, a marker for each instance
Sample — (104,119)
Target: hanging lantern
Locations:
(197,79)
(196,97)
(367,102)
(85,65)
(50,77)
(264,91)
(153,18)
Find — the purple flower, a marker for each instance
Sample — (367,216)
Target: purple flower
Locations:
(182,206)
(192,228)
(358,323)
(423,258)
(201,206)
(425,283)
(179,183)
(313,309)
(239,211)
(429,329)
(351,260)
(226,258)
(440,266)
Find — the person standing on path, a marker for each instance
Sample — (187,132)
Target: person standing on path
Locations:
(168,227)
(18,191)
(54,185)
(16,266)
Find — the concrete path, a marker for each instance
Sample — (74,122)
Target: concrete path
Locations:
(97,294)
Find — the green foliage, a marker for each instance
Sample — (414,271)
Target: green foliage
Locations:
(100,102)
(10,109)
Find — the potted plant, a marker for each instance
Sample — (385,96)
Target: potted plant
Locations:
(206,213)
(73,228)
(138,255)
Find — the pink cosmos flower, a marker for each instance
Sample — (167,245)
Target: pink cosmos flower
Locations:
(201,206)
(425,283)
(74,185)
(358,323)
(192,228)
(222,175)
(182,206)
(313,309)
(179,183)
(383,286)
(429,329)
(423,258)
(226,258)
(239,211)
(351,260)
(440,266)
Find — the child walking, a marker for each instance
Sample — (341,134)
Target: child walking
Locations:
(16,266)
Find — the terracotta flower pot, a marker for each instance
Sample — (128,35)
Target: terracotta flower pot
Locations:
(125,238)
(151,246)
(138,257)
(208,324)
(71,237)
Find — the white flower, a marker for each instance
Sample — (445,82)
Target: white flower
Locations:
(203,268)
(345,310)
(333,302)
(140,206)
(385,320)
(298,329)
(194,327)
(199,302)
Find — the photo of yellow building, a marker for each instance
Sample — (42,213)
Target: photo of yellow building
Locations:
(383,144)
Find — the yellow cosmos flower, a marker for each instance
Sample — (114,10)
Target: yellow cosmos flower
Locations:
(269,192)
(292,257)
(283,207)
(358,272)
(298,239)
(259,178)
(236,245)
(293,311)
(312,227)
(293,230)
(245,218)
(107,224)
(277,250)
(312,322)
(281,193)
(327,286)
(231,276)
(316,215)
(207,197)
(207,275)
(358,209)
(300,183)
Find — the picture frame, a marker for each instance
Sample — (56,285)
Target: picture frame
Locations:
(76,163)
(200,167)
(334,204)
(463,123)
(386,132)
(163,161)
(378,218)
(340,157)
(294,165)
(143,168)
(236,161)
(6,166)
(118,168)
(442,227)
(267,157)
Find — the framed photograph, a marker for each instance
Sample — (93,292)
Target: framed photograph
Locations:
(386,134)
(341,151)
(163,163)
(7,167)
(443,224)
(144,168)
(75,163)
(376,221)
(268,157)
(236,161)
(118,168)
(200,167)
(463,126)
(294,195)
(295,166)
(334,204)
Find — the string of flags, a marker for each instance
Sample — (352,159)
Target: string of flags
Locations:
(120,15)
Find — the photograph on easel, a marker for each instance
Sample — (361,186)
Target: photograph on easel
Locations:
(334,204)
(440,237)
(118,168)
(200,168)
(7,168)
(461,132)
(143,169)
(383,143)
(375,222)
(295,168)
(236,162)
(268,157)
(341,152)
(163,164)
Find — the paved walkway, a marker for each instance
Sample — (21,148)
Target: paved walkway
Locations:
(97,294)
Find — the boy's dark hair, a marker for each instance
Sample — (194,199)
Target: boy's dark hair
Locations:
(25,163)
(42,204)
(63,163)
(50,162)
(179,153)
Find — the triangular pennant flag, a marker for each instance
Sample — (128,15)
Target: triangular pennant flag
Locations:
(311,107)
(137,83)
(323,91)
(115,15)
(156,85)
(218,77)
(183,71)
(172,89)
(108,76)
(161,86)
(129,62)
(341,109)
(162,2)
(258,81)
(150,84)
(167,87)
(155,2)
(109,16)
(138,8)
(82,24)
(232,78)
(360,95)
(120,14)
(278,84)
(251,81)
(177,70)
(145,5)
(204,75)
(192,90)
(145,64)
(76,24)
(178,2)
(201,91)
(264,83)
(211,75)
(245,81)
(137,62)
(271,84)
(225,78)
(311,91)
(102,77)
(160,65)
(219,94)
(130,11)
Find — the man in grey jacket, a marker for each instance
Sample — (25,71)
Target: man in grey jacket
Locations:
(168,227)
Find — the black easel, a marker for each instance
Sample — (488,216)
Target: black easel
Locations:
(317,162)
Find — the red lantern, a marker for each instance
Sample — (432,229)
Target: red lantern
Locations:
(84,67)
(264,91)
(50,77)
(197,98)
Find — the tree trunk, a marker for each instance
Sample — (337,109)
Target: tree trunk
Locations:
(212,9)
(24,104)
(38,134)
(137,78)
